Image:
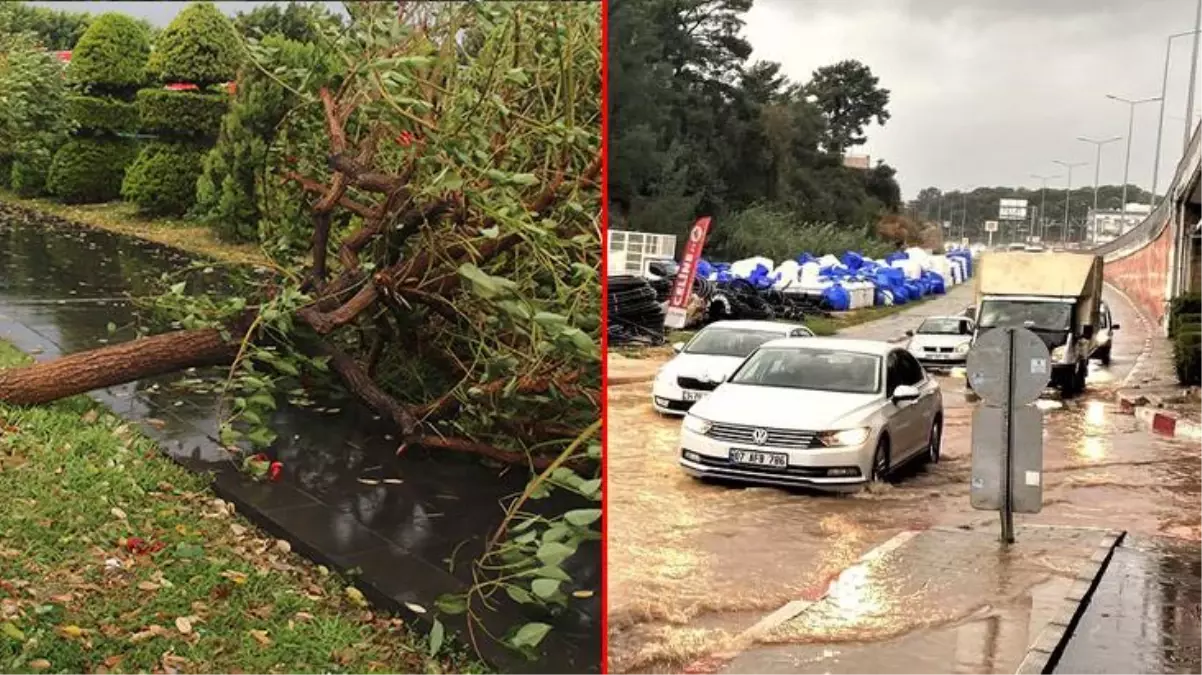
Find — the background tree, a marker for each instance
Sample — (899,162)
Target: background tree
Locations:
(850,98)
(199,47)
(32,112)
(107,66)
(297,21)
(54,29)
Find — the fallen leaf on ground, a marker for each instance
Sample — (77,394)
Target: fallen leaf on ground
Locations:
(117,513)
(283,546)
(235,576)
(90,416)
(355,596)
(148,586)
(415,608)
(70,631)
(304,616)
(260,636)
(39,664)
(237,529)
(369,481)
(183,625)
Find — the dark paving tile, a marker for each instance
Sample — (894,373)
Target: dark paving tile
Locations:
(250,495)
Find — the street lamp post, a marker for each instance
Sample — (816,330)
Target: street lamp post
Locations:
(1097,168)
(963,216)
(1164,91)
(1130,129)
(1068,194)
(1043,200)
(1193,79)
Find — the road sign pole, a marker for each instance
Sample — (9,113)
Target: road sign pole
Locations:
(991,239)
(1007,510)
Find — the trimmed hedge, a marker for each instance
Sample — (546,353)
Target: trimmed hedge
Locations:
(200,46)
(111,54)
(182,113)
(162,180)
(104,114)
(1187,356)
(89,170)
(28,177)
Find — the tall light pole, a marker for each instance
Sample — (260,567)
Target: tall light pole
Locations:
(1130,130)
(1068,194)
(1193,79)
(963,216)
(1097,169)
(1043,200)
(1164,91)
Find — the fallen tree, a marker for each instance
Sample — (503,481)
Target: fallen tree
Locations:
(450,279)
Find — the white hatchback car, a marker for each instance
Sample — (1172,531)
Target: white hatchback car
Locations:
(707,359)
(942,341)
(827,413)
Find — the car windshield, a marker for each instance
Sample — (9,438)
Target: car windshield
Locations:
(1045,316)
(729,341)
(817,369)
(944,327)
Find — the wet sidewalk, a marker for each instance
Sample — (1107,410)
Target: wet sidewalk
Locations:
(1143,617)
(939,600)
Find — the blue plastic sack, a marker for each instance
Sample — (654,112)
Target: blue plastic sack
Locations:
(837,297)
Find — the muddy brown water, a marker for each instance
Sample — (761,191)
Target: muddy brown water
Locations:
(60,287)
(691,564)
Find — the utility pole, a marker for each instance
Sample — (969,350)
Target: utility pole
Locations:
(1164,91)
(1043,200)
(1097,168)
(1193,79)
(1068,194)
(1130,130)
(963,216)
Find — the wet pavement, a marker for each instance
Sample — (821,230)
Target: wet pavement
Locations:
(1144,615)
(692,565)
(407,526)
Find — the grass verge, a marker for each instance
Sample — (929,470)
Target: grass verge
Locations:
(115,559)
(122,218)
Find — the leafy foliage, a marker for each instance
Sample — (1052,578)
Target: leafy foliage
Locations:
(760,230)
(33,120)
(111,55)
(199,46)
(162,180)
(849,97)
(54,29)
(231,187)
(698,129)
(103,114)
(88,170)
(181,113)
(297,21)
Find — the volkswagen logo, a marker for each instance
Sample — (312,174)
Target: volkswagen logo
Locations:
(760,436)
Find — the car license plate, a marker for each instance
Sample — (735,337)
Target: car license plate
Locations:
(693,395)
(775,460)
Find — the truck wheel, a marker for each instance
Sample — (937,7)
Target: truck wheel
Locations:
(1104,355)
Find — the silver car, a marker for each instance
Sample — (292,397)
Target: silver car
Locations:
(827,413)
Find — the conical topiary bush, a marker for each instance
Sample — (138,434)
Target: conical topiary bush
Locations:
(198,50)
(107,66)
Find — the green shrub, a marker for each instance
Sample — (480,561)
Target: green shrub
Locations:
(89,170)
(103,114)
(764,231)
(1187,356)
(29,169)
(200,46)
(181,113)
(1182,308)
(162,180)
(6,169)
(111,55)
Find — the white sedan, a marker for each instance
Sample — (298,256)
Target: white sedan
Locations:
(820,412)
(713,353)
(942,341)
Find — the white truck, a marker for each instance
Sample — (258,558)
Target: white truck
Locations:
(1057,296)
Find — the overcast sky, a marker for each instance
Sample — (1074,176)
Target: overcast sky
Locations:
(987,92)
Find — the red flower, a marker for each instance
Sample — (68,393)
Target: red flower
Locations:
(275,471)
(406,138)
(259,458)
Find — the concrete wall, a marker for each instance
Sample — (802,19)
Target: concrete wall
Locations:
(1142,274)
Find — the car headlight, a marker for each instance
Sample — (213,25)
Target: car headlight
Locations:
(697,425)
(1058,353)
(843,437)
(963,348)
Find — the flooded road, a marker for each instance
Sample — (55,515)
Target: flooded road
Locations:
(692,565)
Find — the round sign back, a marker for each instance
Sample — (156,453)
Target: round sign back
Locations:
(989,360)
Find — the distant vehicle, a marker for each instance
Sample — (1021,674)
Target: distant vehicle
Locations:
(1105,335)
(1033,248)
(941,341)
(1055,295)
(713,353)
(1016,246)
(827,413)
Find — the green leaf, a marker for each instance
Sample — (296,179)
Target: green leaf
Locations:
(485,285)
(591,488)
(286,367)
(582,517)
(550,573)
(519,595)
(451,603)
(178,288)
(10,630)
(545,588)
(530,635)
(261,437)
(552,553)
(523,179)
(189,551)
(436,636)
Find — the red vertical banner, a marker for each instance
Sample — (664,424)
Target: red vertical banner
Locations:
(682,290)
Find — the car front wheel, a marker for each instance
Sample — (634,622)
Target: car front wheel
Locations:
(880,461)
(935,442)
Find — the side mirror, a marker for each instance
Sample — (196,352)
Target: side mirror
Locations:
(909,333)
(1114,327)
(678,347)
(904,392)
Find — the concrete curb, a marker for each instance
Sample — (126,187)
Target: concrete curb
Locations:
(1047,648)
(1160,421)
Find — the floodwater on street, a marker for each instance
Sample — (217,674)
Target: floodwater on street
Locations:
(694,564)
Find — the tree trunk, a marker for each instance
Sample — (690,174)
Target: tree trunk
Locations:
(117,364)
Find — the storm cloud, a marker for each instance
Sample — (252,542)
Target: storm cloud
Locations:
(987,92)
